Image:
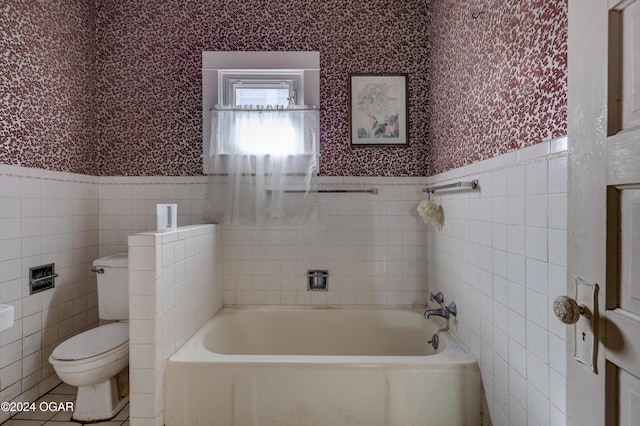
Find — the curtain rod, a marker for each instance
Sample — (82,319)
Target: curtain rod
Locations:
(264,109)
(261,69)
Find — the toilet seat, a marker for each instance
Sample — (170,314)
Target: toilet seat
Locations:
(95,343)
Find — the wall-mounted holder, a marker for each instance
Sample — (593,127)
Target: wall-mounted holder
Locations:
(42,278)
(317,280)
(167,215)
(472,184)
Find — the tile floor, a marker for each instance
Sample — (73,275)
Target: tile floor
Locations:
(61,393)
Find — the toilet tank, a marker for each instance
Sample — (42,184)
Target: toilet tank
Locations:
(113,286)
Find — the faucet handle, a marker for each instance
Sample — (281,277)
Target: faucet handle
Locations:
(438,297)
(453,309)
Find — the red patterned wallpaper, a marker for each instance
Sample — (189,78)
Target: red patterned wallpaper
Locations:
(47,85)
(126,73)
(498,76)
(149,59)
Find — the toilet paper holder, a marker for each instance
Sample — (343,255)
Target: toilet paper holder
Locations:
(167,215)
(42,278)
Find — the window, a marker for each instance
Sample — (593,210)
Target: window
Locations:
(252,93)
(255,155)
(260,132)
(259,88)
(238,79)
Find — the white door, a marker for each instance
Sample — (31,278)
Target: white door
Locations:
(604,207)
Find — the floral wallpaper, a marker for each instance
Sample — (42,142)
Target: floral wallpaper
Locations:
(149,60)
(47,85)
(498,78)
(113,87)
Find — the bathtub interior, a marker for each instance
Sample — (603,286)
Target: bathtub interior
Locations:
(340,332)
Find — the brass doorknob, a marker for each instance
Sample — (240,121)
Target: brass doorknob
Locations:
(567,309)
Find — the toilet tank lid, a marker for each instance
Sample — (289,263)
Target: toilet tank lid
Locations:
(92,342)
(115,260)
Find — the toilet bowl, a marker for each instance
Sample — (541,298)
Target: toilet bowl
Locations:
(96,360)
(91,361)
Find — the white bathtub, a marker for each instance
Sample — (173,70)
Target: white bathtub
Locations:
(288,366)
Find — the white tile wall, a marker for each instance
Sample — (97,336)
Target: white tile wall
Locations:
(45,217)
(128,205)
(175,287)
(501,256)
(374,246)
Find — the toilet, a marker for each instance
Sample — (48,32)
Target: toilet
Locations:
(96,360)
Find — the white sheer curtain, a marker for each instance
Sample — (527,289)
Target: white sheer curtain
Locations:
(256,155)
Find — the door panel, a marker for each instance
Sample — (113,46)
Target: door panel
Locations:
(631,65)
(629,298)
(623,335)
(629,391)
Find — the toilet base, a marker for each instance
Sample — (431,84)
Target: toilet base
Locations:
(99,402)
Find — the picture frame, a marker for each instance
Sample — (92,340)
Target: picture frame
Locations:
(378,110)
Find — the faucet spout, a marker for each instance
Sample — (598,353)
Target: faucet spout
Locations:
(441,312)
(444,311)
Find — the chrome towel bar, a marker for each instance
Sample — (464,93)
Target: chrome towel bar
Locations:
(372,191)
(473,185)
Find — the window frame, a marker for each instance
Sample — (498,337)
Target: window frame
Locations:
(306,64)
(230,80)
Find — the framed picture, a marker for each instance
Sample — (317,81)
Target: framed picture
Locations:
(378,109)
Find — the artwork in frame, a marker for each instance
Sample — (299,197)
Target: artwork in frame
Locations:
(378,109)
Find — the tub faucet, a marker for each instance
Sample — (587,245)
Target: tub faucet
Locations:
(443,311)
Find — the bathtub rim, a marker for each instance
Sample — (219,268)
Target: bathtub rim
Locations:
(194,351)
